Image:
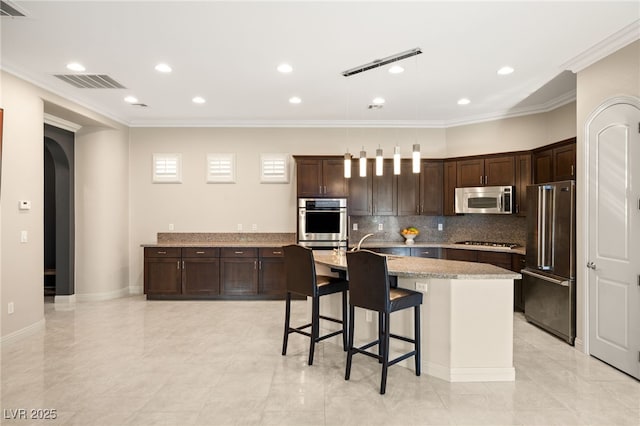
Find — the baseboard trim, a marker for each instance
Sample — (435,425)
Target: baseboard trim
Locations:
(579,345)
(107,295)
(136,289)
(475,374)
(23,332)
(65,299)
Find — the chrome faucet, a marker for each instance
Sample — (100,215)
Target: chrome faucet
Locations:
(360,242)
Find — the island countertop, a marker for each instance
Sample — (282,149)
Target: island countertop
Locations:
(416,267)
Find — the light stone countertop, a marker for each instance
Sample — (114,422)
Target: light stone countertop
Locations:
(416,267)
(247,244)
(382,244)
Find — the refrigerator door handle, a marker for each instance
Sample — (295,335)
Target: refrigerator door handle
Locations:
(541,226)
(563,283)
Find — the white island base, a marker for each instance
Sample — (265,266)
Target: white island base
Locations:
(467,327)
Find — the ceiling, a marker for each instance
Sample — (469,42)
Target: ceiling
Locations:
(228,52)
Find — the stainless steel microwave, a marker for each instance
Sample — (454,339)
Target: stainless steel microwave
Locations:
(485,200)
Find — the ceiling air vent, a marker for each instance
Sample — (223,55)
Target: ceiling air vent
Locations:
(10,9)
(90,81)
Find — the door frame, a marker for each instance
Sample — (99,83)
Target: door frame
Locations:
(583,257)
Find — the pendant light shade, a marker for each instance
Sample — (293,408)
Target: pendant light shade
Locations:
(363,163)
(347,165)
(396,160)
(379,162)
(416,158)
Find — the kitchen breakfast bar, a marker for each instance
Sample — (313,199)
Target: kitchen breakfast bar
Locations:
(467,315)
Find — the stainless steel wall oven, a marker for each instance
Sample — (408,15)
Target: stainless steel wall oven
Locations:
(322,222)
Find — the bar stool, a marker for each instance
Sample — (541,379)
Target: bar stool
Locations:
(301,278)
(369,288)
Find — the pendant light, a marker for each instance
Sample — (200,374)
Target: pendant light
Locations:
(379,161)
(363,163)
(396,160)
(347,165)
(416,158)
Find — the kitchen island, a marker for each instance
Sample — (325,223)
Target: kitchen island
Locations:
(467,316)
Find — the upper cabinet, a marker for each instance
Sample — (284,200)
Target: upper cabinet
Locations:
(385,191)
(487,171)
(523,178)
(450,172)
(321,177)
(431,187)
(408,190)
(556,162)
(360,191)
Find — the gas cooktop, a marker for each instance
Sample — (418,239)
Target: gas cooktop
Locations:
(489,244)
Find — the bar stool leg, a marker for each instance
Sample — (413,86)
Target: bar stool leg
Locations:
(315,326)
(416,338)
(347,373)
(345,320)
(385,360)
(287,318)
(380,337)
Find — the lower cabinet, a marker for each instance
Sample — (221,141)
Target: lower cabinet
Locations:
(517,264)
(430,252)
(210,272)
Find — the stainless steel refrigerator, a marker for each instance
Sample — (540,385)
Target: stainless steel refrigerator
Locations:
(549,276)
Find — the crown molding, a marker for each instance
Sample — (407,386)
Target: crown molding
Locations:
(604,48)
(61,123)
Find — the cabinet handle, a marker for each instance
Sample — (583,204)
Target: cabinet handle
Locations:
(320,189)
(255,265)
(481,179)
(199,252)
(162,252)
(238,252)
(572,170)
(517,208)
(277,252)
(486,180)
(260,264)
(183,264)
(178,267)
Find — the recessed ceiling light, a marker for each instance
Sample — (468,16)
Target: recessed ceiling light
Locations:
(285,68)
(464,101)
(198,100)
(163,68)
(294,100)
(378,101)
(131,100)
(505,70)
(396,69)
(75,66)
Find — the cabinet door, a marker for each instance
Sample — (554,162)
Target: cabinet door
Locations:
(502,260)
(470,173)
(408,190)
(461,254)
(272,277)
(431,188)
(334,182)
(564,163)
(499,171)
(543,166)
(385,190)
(309,177)
(523,178)
(517,264)
(360,190)
(162,275)
(200,276)
(449,188)
(239,276)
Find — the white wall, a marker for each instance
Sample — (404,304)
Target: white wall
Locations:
(98,271)
(617,74)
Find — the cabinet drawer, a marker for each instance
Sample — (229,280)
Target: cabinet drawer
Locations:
(502,260)
(462,254)
(201,252)
(397,251)
(271,252)
(430,252)
(162,252)
(238,252)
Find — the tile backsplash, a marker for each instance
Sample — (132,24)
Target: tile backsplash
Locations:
(499,228)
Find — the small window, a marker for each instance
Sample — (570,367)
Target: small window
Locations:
(221,168)
(167,168)
(274,168)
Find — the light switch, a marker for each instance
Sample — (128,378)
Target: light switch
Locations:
(23,236)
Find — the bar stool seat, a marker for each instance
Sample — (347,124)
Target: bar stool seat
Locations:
(301,279)
(369,288)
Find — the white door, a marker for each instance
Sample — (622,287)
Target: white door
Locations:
(614,237)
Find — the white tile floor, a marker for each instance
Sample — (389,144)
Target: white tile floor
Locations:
(134,362)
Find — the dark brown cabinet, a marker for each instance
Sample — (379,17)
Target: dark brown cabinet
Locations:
(556,162)
(523,178)
(449,188)
(239,271)
(503,260)
(408,190)
(385,191)
(397,251)
(360,191)
(162,271)
(431,187)
(172,271)
(489,171)
(461,254)
(201,271)
(517,264)
(271,280)
(321,177)
(429,252)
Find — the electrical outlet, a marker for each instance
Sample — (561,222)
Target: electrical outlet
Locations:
(439,227)
(380,227)
(355,226)
(10,308)
(171,227)
(24,237)
(423,287)
(368,316)
(239,227)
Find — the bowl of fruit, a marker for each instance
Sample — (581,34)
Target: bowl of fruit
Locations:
(409,234)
